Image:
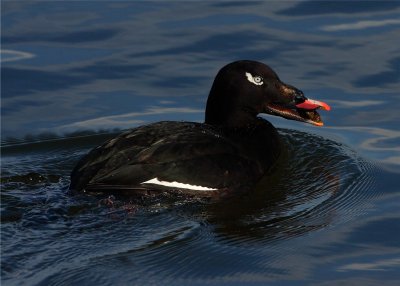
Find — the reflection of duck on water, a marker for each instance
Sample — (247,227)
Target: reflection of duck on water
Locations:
(229,153)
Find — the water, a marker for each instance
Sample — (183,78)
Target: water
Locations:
(75,72)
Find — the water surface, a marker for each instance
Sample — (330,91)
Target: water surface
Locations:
(74,74)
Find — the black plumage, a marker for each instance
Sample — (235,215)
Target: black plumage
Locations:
(227,154)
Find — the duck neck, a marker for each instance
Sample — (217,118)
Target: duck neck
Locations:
(228,113)
(232,118)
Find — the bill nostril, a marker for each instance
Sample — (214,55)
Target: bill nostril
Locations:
(299,93)
(299,97)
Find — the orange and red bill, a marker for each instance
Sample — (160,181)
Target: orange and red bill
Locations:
(310,104)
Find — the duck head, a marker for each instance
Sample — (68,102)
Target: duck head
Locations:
(244,89)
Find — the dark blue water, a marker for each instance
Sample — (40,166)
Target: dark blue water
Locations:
(75,73)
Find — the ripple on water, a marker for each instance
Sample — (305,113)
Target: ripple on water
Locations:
(318,183)
(51,237)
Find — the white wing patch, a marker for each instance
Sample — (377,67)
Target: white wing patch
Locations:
(257,80)
(178,185)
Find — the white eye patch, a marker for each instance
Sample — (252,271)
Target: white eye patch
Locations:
(257,80)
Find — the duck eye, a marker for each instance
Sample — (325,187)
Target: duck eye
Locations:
(257,80)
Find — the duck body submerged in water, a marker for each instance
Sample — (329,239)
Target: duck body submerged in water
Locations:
(225,155)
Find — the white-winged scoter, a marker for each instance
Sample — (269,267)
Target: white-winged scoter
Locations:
(227,154)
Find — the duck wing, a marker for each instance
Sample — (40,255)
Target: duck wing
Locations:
(164,156)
